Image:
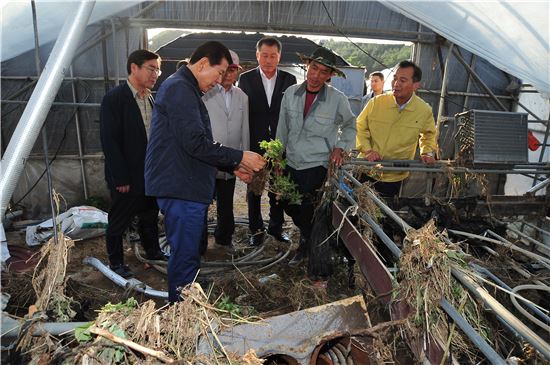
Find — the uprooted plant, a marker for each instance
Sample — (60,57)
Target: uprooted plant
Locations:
(279,184)
(425,279)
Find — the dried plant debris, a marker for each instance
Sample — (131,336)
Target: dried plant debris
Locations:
(424,279)
(132,333)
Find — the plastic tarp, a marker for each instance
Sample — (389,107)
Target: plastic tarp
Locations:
(17,34)
(78,223)
(512,35)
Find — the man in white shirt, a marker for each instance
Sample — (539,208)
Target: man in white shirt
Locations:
(265,86)
(227,107)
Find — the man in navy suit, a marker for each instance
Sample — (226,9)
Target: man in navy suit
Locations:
(125,117)
(182,159)
(265,86)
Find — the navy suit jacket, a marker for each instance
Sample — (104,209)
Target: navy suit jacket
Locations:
(263,118)
(124,139)
(182,156)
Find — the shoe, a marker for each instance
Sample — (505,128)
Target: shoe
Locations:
(280,236)
(122,270)
(297,259)
(256,239)
(227,248)
(157,256)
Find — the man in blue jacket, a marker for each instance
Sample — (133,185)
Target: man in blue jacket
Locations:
(182,157)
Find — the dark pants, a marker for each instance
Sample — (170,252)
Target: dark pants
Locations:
(184,224)
(385,189)
(309,183)
(123,209)
(276,213)
(224,205)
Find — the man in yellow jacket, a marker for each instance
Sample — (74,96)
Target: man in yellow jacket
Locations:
(393,124)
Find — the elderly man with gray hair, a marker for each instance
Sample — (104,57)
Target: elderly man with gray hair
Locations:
(227,107)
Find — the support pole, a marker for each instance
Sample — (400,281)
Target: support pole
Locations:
(79,137)
(444,84)
(478,79)
(35,113)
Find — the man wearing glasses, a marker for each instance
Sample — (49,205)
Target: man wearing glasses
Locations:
(125,118)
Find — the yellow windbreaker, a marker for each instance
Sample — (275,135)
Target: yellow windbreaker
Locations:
(395,134)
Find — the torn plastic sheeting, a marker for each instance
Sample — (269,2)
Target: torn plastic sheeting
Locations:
(78,223)
(295,334)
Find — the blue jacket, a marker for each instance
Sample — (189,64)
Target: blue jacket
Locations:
(182,156)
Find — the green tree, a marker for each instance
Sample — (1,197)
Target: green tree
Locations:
(388,54)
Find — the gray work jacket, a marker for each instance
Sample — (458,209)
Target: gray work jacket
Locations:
(329,124)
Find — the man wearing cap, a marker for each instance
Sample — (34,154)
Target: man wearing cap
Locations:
(392,125)
(316,126)
(265,86)
(227,107)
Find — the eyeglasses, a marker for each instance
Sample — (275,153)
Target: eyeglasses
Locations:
(153,69)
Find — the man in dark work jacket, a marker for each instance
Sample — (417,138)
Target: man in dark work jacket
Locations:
(182,157)
(265,86)
(125,117)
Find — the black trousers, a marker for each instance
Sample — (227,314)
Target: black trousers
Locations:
(385,189)
(224,204)
(124,208)
(309,183)
(276,213)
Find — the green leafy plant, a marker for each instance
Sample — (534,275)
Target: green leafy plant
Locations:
(125,307)
(281,185)
(227,305)
(82,333)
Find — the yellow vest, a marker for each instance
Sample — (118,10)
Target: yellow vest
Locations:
(395,134)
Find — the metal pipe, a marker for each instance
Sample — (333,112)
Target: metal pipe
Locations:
(40,102)
(36,43)
(469,331)
(444,84)
(64,104)
(543,260)
(539,186)
(496,279)
(442,169)
(447,163)
(286,28)
(539,245)
(11,328)
(535,227)
(396,252)
(469,83)
(115,49)
(79,138)
(525,332)
(389,212)
(70,157)
(462,93)
(543,147)
(478,79)
(120,281)
(21,90)
(35,78)
(44,136)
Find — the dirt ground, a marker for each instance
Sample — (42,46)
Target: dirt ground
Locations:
(92,289)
